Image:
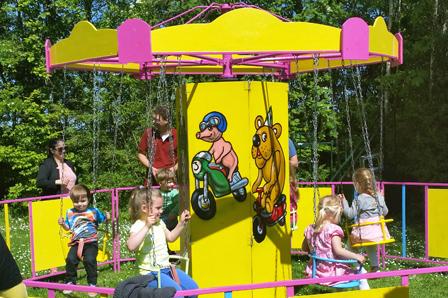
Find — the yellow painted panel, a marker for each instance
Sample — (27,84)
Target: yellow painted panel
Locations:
(381,41)
(395,292)
(437,231)
(85,42)
(50,250)
(305,214)
(226,239)
(245,30)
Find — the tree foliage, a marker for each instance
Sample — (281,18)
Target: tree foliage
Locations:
(36,107)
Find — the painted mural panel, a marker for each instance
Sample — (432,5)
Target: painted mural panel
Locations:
(236,182)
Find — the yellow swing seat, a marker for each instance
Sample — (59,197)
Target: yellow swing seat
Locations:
(385,240)
(103,254)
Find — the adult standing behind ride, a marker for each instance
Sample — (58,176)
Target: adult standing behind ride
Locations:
(164,149)
(56,174)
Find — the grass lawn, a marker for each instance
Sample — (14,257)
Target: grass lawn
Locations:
(434,285)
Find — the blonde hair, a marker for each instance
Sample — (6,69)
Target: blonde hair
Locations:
(78,191)
(364,181)
(139,198)
(329,208)
(164,174)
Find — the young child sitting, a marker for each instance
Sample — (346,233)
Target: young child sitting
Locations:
(324,238)
(148,238)
(367,207)
(82,221)
(170,194)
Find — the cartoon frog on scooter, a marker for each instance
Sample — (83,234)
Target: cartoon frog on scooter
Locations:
(222,175)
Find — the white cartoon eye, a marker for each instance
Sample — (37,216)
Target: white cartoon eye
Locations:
(264,137)
(196,166)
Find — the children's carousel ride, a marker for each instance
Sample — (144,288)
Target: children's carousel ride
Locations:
(233,134)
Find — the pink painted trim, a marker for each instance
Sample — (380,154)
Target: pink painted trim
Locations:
(202,12)
(47,55)
(221,7)
(405,281)
(426,223)
(429,261)
(134,42)
(249,287)
(300,282)
(60,286)
(417,184)
(30,216)
(355,39)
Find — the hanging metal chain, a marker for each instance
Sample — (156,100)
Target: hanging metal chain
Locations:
(315,157)
(96,101)
(150,146)
(360,102)
(63,124)
(382,110)
(116,105)
(365,134)
(349,126)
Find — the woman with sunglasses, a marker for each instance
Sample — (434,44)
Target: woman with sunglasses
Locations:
(56,174)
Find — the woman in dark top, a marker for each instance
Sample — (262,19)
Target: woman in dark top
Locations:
(56,174)
(11,285)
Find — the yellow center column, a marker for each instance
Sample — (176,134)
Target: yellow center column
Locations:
(233,151)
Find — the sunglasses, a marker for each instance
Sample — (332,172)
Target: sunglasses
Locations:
(61,149)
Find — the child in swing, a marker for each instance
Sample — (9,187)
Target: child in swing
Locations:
(166,179)
(82,220)
(324,238)
(148,238)
(367,207)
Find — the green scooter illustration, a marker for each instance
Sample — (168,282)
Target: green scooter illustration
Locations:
(222,175)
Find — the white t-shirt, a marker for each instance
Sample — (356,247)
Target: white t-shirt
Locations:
(148,257)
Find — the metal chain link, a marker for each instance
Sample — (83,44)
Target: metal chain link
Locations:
(365,133)
(315,157)
(96,128)
(349,126)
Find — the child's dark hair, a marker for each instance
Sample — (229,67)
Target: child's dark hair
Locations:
(78,191)
(162,111)
(140,197)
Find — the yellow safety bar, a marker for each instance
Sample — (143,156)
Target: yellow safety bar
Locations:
(383,222)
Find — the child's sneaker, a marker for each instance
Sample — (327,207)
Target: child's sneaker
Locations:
(92,294)
(67,292)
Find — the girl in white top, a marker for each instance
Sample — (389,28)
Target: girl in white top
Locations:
(148,236)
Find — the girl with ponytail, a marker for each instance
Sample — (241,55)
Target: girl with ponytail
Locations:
(367,206)
(324,239)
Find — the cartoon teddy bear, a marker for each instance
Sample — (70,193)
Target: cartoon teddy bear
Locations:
(270,161)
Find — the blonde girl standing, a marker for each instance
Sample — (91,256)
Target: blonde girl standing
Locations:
(368,206)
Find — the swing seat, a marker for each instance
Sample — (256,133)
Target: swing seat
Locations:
(103,254)
(340,285)
(385,240)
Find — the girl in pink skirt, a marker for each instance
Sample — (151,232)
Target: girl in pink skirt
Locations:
(368,206)
(324,239)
